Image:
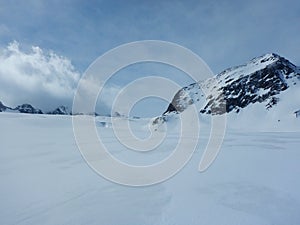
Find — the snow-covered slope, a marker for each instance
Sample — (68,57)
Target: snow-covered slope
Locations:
(45,180)
(267,86)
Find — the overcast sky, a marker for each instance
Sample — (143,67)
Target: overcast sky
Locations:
(72,34)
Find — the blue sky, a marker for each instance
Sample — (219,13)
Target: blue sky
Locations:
(223,33)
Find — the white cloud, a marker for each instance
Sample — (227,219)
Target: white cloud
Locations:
(41,78)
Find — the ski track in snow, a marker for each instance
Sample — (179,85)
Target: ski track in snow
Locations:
(44,180)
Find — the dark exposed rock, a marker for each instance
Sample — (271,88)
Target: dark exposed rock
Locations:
(2,107)
(27,108)
(61,110)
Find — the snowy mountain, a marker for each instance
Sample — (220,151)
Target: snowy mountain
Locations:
(61,110)
(29,109)
(260,81)
(24,108)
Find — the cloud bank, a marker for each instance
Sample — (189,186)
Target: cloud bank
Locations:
(41,78)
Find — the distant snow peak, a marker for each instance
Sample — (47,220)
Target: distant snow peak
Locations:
(61,110)
(27,108)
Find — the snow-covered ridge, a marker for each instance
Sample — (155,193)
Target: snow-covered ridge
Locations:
(27,108)
(261,80)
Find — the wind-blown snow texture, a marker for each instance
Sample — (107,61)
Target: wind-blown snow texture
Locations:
(44,179)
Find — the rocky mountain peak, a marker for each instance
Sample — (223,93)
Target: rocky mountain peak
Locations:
(61,110)
(27,108)
(258,81)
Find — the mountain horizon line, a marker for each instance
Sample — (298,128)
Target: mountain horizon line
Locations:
(269,66)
